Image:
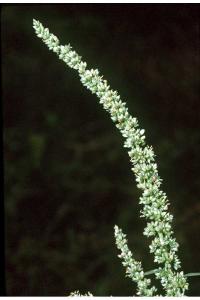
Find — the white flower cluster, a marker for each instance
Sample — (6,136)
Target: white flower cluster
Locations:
(154,200)
(77,294)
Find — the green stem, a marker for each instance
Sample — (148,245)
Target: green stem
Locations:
(186,275)
(192,274)
(150,272)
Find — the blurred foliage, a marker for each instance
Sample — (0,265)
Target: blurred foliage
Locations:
(67,176)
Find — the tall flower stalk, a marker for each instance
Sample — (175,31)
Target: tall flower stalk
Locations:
(153,200)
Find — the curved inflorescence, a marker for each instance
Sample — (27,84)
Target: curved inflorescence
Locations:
(153,200)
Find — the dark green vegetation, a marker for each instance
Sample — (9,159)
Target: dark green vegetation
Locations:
(67,177)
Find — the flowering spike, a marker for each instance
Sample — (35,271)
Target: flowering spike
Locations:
(134,268)
(154,200)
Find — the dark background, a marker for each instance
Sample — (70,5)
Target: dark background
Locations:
(67,177)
